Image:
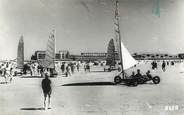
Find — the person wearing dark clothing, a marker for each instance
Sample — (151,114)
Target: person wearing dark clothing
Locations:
(172,63)
(72,68)
(88,67)
(154,65)
(78,67)
(138,75)
(167,63)
(133,75)
(46,87)
(41,71)
(148,74)
(63,68)
(163,66)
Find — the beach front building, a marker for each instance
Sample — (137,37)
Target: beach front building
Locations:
(92,56)
(62,55)
(156,56)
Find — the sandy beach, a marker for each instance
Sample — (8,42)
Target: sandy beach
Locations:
(24,95)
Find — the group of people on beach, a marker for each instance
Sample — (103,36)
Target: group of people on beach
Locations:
(6,71)
(164,64)
(70,68)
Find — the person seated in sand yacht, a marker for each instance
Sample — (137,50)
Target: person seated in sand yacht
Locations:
(133,75)
(148,74)
(138,75)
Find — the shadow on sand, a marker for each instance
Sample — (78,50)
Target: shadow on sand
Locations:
(3,82)
(31,77)
(40,108)
(97,71)
(90,84)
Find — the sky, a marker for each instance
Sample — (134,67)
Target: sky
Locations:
(87,25)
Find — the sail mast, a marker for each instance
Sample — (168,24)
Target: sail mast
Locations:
(118,33)
(53,35)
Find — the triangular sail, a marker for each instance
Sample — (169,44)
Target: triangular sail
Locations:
(20,53)
(128,60)
(50,52)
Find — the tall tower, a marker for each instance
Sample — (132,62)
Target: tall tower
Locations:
(20,53)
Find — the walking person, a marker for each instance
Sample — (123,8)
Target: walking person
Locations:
(68,69)
(47,90)
(84,67)
(63,68)
(72,68)
(88,67)
(78,67)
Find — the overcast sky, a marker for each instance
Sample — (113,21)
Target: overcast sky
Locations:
(87,25)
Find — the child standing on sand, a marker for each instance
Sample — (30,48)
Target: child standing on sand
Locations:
(47,90)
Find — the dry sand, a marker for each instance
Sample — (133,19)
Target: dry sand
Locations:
(24,95)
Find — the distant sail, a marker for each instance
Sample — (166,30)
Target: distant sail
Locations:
(20,53)
(50,52)
(110,60)
(128,60)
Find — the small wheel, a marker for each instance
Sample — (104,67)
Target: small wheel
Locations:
(156,80)
(135,83)
(117,79)
(140,80)
(128,83)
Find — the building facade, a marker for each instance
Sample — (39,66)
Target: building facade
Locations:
(64,54)
(40,55)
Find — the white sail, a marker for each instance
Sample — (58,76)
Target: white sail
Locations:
(20,53)
(50,52)
(128,60)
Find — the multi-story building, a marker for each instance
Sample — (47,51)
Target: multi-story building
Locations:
(149,56)
(92,56)
(40,55)
(64,54)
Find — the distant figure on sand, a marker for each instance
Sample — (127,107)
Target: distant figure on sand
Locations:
(163,66)
(172,63)
(68,69)
(46,87)
(85,67)
(63,67)
(78,67)
(88,67)
(72,68)
(154,65)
